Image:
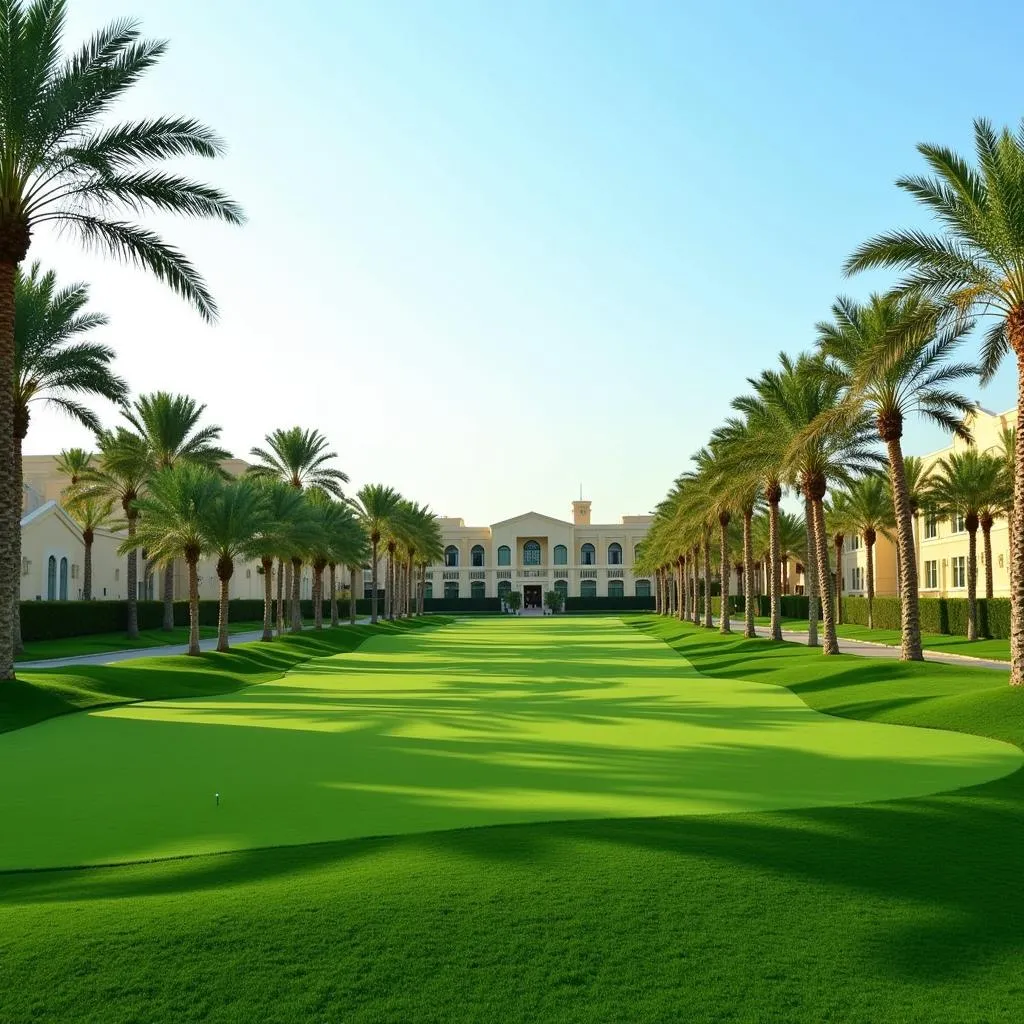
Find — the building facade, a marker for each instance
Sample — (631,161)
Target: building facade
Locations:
(940,544)
(533,553)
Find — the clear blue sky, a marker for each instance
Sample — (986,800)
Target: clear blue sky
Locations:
(496,250)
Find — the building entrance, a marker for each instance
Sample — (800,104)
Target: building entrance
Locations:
(532,597)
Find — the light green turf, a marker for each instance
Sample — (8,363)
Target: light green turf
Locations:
(478,723)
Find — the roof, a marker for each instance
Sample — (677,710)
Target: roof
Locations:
(46,509)
(537,515)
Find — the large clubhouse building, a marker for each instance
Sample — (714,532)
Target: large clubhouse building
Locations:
(533,554)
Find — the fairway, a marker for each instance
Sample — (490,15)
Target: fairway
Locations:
(483,722)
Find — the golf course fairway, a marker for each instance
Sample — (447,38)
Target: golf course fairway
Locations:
(482,722)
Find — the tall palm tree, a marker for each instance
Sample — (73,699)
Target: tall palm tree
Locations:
(64,167)
(973,262)
(73,463)
(378,508)
(869,512)
(233,521)
(891,357)
(90,513)
(169,424)
(967,484)
(838,524)
(53,365)
(171,525)
(120,475)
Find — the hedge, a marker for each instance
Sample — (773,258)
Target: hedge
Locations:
(609,604)
(946,615)
(792,606)
(462,604)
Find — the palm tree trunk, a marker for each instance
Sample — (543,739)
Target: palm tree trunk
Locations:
(280,596)
(680,589)
(657,591)
(811,576)
(334,594)
(910,618)
(193,608)
(707,581)
(168,623)
(286,612)
(410,589)
(869,553)
(831,644)
(724,625)
(695,580)
(352,596)
(296,597)
(972,579)
(18,484)
(773,565)
(373,582)
(748,574)
(986,540)
(225,567)
(839,543)
(10,500)
(87,539)
(268,598)
(133,584)
(318,602)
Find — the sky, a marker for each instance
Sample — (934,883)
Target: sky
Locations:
(501,252)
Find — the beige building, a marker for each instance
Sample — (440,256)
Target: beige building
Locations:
(534,553)
(941,544)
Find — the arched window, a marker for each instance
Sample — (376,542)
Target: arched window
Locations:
(476,555)
(63,592)
(451,589)
(504,555)
(531,553)
(643,588)
(588,588)
(615,554)
(587,555)
(451,556)
(636,552)
(504,589)
(615,588)
(562,589)
(428,592)
(51,579)
(476,590)
(561,555)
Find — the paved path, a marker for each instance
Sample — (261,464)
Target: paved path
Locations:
(871,650)
(108,658)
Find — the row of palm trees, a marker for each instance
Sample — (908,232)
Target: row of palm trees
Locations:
(826,426)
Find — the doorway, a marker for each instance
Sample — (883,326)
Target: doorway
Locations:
(532,597)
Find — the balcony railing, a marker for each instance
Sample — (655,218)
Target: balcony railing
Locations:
(533,573)
(504,574)
(614,574)
(478,574)
(588,574)
(450,575)
(561,574)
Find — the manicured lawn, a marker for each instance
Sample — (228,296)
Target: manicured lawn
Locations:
(907,910)
(107,643)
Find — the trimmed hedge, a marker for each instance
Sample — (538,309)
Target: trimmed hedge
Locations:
(792,606)
(462,604)
(946,615)
(609,604)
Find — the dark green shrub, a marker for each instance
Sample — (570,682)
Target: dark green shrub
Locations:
(609,604)
(946,615)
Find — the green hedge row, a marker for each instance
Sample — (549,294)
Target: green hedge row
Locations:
(792,606)
(946,615)
(53,620)
(609,604)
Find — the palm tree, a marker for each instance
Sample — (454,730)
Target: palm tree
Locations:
(838,524)
(973,262)
(74,463)
(169,424)
(966,485)
(890,357)
(233,520)
(377,507)
(121,474)
(63,168)
(53,366)
(172,524)
(331,519)
(869,511)
(90,513)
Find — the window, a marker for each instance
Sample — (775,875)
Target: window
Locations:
(451,556)
(561,554)
(504,589)
(643,588)
(857,578)
(931,527)
(636,552)
(587,555)
(476,555)
(588,588)
(63,579)
(615,555)
(615,588)
(562,589)
(51,578)
(476,590)
(504,555)
(531,553)
(451,589)
(931,575)
(957,524)
(855,542)
(959,564)
(428,592)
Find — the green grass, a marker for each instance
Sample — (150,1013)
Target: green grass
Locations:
(992,650)
(907,910)
(107,643)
